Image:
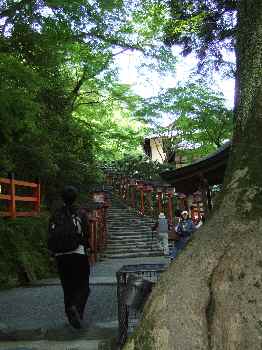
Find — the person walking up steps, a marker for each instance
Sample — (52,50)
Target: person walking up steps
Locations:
(162,228)
(68,243)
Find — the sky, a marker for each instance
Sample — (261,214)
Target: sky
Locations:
(148,83)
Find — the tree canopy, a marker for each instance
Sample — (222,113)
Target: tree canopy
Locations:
(205,27)
(61,103)
(62,106)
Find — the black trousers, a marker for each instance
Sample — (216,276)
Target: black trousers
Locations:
(74,270)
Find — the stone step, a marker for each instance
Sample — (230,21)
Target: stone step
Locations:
(133,223)
(134,235)
(122,223)
(131,246)
(130,227)
(138,236)
(116,242)
(127,220)
(123,233)
(133,255)
(122,214)
(129,235)
(129,231)
(131,250)
(126,213)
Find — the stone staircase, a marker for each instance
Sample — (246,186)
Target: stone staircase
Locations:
(129,235)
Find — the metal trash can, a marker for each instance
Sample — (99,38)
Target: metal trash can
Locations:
(134,285)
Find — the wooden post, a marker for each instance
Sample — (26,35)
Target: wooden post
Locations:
(123,187)
(127,190)
(204,188)
(102,227)
(142,197)
(209,198)
(197,199)
(149,200)
(105,221)
(133,197)
(170,207)
(159,201)
(37,194)
(12,204)
(99,232)
(96,243)
(94,240)
(91,240)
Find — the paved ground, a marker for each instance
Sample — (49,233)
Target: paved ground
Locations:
(42,307)
(37,312)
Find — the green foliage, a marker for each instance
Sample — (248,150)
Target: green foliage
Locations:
(59,93)
(23,252)
(139,167)
(205,27)
(62,111)
(200,121)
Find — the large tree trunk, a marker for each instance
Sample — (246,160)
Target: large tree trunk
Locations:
(211,296)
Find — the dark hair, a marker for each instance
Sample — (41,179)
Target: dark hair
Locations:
(69,194)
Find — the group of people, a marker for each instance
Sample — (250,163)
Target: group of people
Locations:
(180,233)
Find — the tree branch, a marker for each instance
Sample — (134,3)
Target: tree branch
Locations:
(17,6)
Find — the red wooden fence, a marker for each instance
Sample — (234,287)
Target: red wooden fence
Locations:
(12,198)
(97,226)
(129,189)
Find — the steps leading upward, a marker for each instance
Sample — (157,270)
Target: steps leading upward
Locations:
(129,235)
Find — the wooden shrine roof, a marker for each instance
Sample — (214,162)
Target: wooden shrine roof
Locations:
(186,179)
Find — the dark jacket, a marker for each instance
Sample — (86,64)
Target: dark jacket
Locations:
(185,228)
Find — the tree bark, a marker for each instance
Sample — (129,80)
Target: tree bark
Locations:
(210,296)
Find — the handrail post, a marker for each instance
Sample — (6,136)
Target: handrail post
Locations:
(93,243)
(37,194)
(149,201)
(100,229)
(170,207)
(12,205)
(159,200)
(133,202)
(106,205)
(142,201)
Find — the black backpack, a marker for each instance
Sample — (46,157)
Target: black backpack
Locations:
(65,231)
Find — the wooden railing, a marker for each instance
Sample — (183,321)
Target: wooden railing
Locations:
(97,225)
(153,198)
(147,198)
(8,194)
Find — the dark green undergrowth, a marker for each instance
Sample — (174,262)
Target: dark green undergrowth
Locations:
(23,253)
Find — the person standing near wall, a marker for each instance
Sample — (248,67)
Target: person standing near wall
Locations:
(184,230)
